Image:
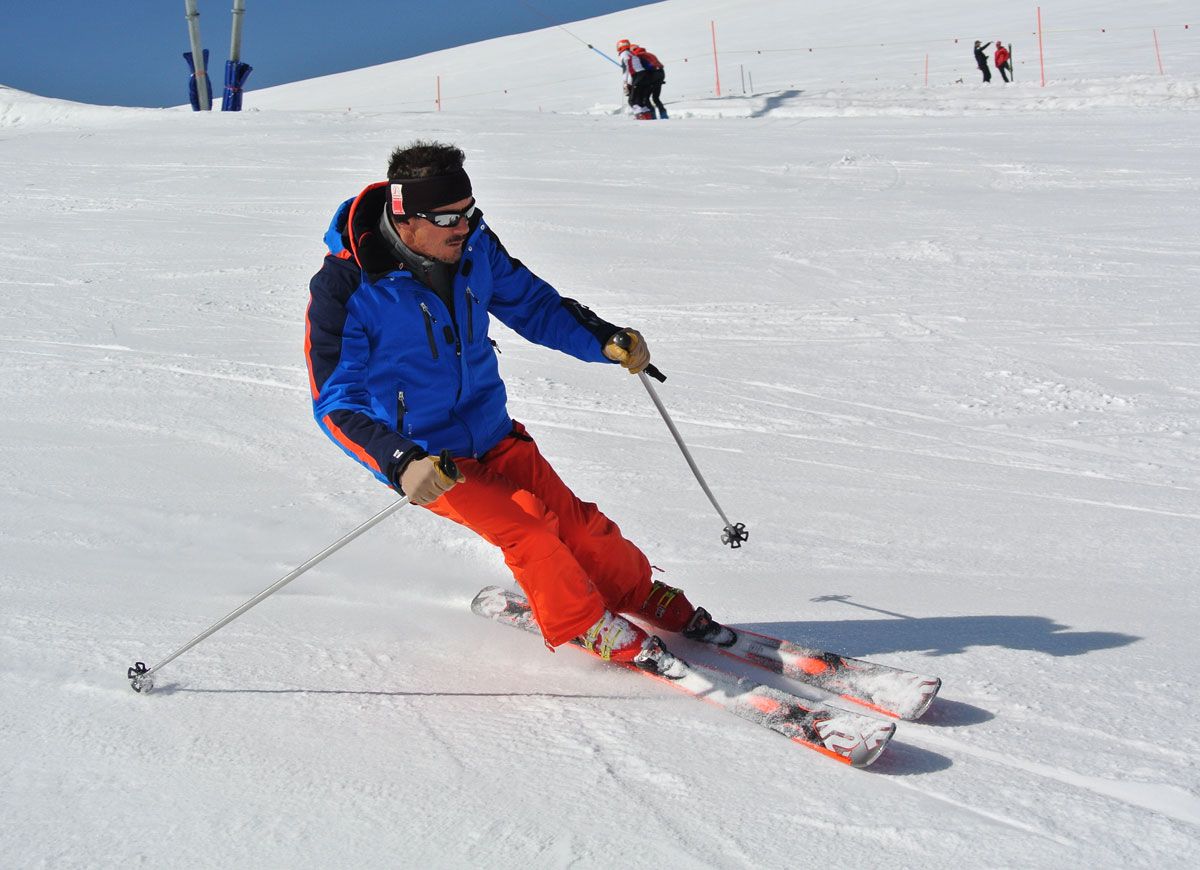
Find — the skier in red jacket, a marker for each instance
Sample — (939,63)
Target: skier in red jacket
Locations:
(658,77)
(1001,58)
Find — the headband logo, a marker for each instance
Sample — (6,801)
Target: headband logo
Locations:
(397,199)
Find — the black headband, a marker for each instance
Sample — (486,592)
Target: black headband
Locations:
(419,195)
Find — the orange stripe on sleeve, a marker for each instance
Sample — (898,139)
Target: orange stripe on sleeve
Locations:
(312,380)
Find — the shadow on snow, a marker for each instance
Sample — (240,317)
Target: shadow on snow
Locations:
(940,635)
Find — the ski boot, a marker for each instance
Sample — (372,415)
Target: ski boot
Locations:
(614,638)
(668,608)
(703,628)
(657,659)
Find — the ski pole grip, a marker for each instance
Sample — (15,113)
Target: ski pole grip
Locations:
(622,340)
(447,466)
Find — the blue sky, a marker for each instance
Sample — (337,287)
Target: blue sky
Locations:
(130,53)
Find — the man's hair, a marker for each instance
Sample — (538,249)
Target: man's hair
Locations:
(421,159)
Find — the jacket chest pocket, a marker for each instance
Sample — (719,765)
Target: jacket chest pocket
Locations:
(430,335)
(472,304)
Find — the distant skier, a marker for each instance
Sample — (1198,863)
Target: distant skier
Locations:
(981,60)
(638,79)
(658,77)
(1001,58)
(401,367)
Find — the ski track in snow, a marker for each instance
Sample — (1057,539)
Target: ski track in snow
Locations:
(1164,798)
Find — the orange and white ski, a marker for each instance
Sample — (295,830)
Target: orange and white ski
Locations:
(850,738)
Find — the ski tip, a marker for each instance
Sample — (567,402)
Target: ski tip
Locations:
(871,746)
(851,738)
(930,687)
(486,595)
(912,705)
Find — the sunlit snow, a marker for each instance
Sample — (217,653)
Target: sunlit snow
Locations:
(936,346)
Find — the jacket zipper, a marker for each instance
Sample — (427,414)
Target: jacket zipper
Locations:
(429,321)
(401,408)
(471,300)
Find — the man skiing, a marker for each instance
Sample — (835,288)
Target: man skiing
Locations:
(638,76)
(981,61)
(402,367)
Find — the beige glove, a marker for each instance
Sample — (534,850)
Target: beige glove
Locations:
(635,356)
(424,481)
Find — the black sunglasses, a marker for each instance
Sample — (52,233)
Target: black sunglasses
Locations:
(446,219)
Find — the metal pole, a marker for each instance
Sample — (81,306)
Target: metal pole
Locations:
(235,39)
(193,20)
(141,677)
(679,440)
(734,534)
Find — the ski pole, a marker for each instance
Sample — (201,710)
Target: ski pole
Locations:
(141,678)
(734,534)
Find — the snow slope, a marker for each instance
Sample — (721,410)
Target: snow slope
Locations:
(20,109)
(937,348)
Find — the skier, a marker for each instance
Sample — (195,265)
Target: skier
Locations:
(1003,66)
(401,367)
(658,78)
(981,60)
(638,78)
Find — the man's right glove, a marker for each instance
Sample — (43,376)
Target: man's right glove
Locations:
(423,480)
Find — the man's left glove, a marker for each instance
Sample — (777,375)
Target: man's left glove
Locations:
(423,480)
(634,356)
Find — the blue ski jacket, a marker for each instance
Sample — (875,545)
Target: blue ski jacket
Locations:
(398,372)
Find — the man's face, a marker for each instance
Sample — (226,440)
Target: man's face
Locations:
(438,243)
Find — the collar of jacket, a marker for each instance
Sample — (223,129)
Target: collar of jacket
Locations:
(434,274)
(374,253)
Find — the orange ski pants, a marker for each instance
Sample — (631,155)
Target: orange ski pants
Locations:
(569,558)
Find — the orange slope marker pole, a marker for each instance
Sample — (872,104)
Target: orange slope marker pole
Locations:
(1041,54)
(716,66)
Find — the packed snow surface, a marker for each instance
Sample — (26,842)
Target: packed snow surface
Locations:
(936,346)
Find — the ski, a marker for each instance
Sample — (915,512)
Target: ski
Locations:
(892,692)
(847,737)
